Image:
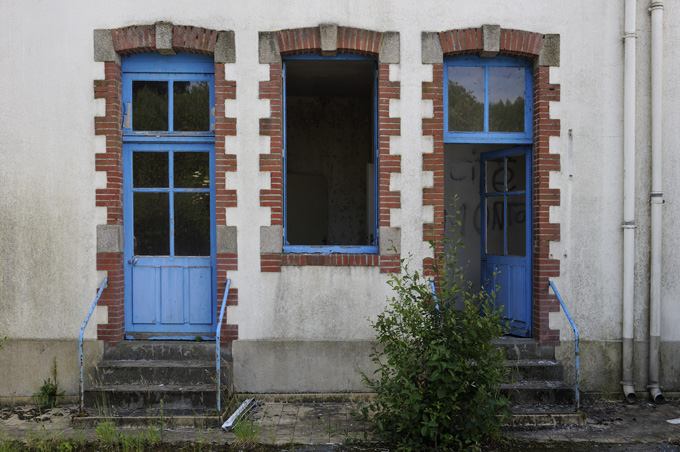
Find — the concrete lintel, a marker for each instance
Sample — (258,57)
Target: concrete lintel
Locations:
(164,38)
(550,51)
(103,47)
(225,47)
(269,52)
(271,239)
(390,48)
(227,240)
(390,240)
(329,39)
(432,52)
(491,37)
(109,238)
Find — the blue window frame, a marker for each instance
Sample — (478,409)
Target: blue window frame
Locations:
(292,242)
(488,100)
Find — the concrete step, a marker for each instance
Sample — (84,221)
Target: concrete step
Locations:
(164,350)
(517,348)
(534,370)
(172,372)
(539,392)
(198,398)
(540,415)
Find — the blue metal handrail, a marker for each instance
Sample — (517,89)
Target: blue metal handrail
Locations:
(217,346)
(81,387)
(576,353)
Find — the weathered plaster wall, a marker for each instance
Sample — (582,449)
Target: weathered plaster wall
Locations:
(48,217)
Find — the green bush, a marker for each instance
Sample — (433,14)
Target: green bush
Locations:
(438,375)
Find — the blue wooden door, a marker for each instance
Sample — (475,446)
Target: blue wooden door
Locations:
(506,234)
(169,206)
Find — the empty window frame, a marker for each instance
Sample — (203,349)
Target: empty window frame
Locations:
(488,100)
(330,160)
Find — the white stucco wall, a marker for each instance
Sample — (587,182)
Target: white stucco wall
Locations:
(48,216)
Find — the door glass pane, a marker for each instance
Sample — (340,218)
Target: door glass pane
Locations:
(192,170)
(516,173)
(150,169)
(151,224)
(191,109)
(192,224)
(494,225)
(517,218)
(494,175)
(149,105)
(466,99)
(506,99)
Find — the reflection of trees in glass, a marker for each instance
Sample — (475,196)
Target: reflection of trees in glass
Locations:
(191,110)
(466,113)
(152,224)
(192,170)
(149,169)
(507,116)
(149,105)
(192,224)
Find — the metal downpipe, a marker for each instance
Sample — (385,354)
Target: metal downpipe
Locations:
(628,199)
(656,200)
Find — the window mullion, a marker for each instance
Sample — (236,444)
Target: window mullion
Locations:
(171,105)
(171,185)
(486,99)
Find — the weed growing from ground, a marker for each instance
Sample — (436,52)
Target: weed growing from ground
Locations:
(438,372)
(247,432)
(48,394)
(107,434)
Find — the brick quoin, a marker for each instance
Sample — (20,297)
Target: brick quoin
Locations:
(142,39)
(518,44)
(308,41)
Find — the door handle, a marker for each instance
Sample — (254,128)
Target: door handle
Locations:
(132,261)
(484,259)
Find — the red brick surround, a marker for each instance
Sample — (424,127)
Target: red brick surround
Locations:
(139,39)
(522,44)
(308,41)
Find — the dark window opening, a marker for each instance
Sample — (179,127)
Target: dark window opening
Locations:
(330,153)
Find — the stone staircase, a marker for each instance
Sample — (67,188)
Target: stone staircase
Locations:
(138,381)
(535,384)
(147,378)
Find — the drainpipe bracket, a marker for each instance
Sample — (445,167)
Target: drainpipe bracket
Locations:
(628,225)
(655,5)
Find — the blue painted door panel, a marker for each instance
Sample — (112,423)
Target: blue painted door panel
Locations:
(506,234)
(167,292)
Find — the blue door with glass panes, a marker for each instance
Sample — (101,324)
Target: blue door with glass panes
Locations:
(168,181)
(506,234)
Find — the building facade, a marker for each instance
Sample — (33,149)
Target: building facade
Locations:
(302,150)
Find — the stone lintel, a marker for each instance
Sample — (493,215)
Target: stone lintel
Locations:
(390,48)
(269,52)
(329,39)
(104,51)
(164,38)
(431,48)
(225,47)
(550,51)
(491,37)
